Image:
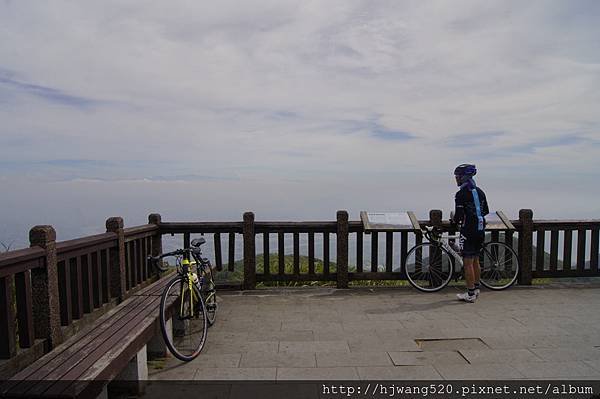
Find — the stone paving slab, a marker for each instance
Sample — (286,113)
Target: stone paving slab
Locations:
(240,373)
(555,369)
(353,359)
(567,354)
(317,373)
(425,358)
(486,371)
(261,359)
(371,333)
(314,346)
(427,372)
(370,344)
(504,356)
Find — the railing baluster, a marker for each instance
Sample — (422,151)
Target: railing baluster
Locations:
(96,278)
(594,251)
(553,250)
(326,253)
(581,238)
(76,287)
(280,253)
(186,242)
(374,250)
(266,251)
(509,240)
(135,265)
(311,253)
(143,255)
(568,247)
(419,251)
(359,251)
(403,249)
(127,267)
(389,248)
(231,255)
(8,342)
(539,258)
(495,236)
(24,309)
(218,253)
(106,268)
(88,288)
(64,292)
(296,253)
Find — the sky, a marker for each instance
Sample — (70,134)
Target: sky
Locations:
(200,110)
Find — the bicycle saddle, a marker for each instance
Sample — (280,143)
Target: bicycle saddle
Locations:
(196,242)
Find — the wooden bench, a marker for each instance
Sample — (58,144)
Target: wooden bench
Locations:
(114,347)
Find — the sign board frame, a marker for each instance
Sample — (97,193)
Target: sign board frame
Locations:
(506,221)
(370,226)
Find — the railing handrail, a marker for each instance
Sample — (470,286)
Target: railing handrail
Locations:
(84,242)
(20,256)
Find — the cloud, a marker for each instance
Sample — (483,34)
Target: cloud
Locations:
(473,139)
(306,90)
(47,93)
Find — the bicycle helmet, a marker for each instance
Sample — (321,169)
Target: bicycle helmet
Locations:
(465,169)
(464,172)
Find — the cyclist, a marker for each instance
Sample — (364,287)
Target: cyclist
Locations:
(471,208)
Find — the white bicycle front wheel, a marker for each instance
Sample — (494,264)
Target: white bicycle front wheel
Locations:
(428,267)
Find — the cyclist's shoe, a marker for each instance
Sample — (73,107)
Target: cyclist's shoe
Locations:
(477,290)
(466,297)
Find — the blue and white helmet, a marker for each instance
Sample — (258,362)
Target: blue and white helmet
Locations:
(466,170)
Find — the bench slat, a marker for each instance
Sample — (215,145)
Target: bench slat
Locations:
(22,381)
(76,368)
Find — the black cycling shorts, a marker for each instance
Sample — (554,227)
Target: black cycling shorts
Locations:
(472,243)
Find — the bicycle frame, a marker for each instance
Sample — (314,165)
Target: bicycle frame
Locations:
(444,242)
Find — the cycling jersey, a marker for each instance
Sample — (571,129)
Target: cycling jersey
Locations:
(471,208)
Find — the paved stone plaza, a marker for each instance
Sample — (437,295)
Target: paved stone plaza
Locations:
(535,332)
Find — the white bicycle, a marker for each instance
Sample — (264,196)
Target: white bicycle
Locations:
(430,266)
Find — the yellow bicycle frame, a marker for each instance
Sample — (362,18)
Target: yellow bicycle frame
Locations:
(189,286)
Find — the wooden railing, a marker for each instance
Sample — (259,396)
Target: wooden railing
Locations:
(50,290)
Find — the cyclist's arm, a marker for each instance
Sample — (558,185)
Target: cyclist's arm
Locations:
(484,204)
(459,209)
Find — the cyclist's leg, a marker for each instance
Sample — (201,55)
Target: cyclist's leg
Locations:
(470,253)
(468,262)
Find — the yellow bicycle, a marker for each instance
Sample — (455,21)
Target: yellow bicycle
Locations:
(188,303)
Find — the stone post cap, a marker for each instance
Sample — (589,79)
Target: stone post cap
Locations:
(41,235)
(435,214)
(525,214)
(114,223)
(342,215)
(154,218)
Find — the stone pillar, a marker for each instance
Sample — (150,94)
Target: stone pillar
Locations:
(44,288)
(525,246)
(155,218)
(435,217)
(133,377)
(156,346)
(342,249)
(249,252)
(118,287)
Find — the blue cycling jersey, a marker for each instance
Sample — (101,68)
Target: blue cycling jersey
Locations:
(471,208)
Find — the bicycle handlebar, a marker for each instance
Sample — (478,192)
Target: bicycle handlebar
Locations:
(177,252)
